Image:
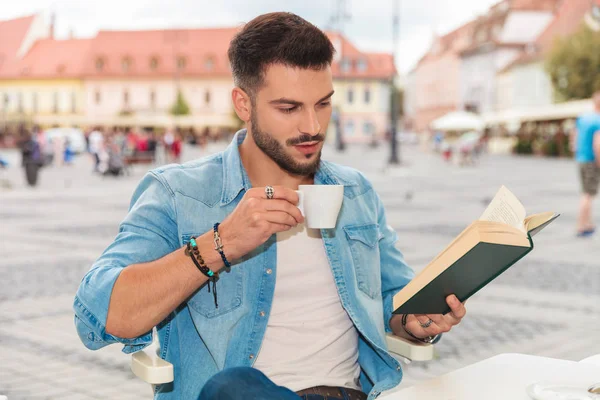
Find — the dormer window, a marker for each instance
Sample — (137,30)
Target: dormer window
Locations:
(209,63)
(100,64)
(345,65)
(126,64)
(361,65)
(154,63)
(181,63)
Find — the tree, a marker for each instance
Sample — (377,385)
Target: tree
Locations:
(180,107)
(574,65)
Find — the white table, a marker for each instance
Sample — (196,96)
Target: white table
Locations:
(503,377)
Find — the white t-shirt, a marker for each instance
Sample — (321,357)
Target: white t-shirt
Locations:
(310,339)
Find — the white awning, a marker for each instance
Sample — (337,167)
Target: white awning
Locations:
(458,121)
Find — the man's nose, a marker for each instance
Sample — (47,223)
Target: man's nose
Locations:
(310,124)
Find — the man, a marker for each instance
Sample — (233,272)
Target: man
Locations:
(320,331)
(587,154)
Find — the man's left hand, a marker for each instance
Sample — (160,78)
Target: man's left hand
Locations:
(425,325)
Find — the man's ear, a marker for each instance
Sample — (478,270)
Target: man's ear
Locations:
(241,104)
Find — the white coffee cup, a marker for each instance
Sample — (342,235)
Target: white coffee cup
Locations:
(320,204)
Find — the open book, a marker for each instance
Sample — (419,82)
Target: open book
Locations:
(485,249)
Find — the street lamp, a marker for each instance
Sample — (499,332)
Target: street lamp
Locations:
(394,145)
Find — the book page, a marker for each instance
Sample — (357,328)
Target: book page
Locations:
(505,208)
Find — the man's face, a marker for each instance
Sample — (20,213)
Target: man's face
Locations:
(290,115)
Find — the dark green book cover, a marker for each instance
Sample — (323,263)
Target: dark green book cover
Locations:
(478,267)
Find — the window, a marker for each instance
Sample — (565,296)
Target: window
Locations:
(55,103)
(207,97)
(181,62)
(126,64)
(152,99)
(349,128)
(350,95)
(154,63)
(100,64)
(345,65)
(361,65)
(125,97)
(97,97)
(34,103)
(367,95)
(209,64)
(368,128)
(73,102)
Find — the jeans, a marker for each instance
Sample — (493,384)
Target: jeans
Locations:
(242,383)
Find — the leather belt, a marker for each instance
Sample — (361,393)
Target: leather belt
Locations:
(331,393)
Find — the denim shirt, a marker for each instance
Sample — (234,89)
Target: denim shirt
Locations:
(175,202)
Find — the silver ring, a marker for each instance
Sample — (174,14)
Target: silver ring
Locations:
(269,192)
(426,324)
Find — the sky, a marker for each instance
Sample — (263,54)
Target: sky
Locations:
(368,23)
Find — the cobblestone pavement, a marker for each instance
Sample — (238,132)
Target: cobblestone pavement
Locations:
(549,304)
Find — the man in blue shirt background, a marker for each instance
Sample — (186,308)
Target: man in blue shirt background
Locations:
(587,154)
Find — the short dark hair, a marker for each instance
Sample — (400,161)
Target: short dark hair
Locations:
(276,38)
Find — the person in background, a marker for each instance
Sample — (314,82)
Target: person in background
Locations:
(68,153)
(586,145)
(32,158)
(176,148)
(96,144)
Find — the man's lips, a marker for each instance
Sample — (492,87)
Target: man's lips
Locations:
(307,147)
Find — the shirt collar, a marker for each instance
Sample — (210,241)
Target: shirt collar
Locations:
(235,178)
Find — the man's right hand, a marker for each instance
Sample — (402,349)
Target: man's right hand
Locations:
(256,218)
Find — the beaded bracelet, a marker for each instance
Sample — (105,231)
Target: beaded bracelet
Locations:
(219,245)
(193,252)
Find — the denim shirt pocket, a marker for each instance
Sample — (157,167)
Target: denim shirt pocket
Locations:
(363,241)
(229,292)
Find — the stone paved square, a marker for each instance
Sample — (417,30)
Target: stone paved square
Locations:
(548,304)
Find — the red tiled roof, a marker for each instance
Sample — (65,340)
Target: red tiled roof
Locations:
(12,33)
(204,52)
(160,53)
(361,65)
(49,58)
(453,42)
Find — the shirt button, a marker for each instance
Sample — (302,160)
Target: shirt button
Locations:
(269,271)
(262,313)
(251,356)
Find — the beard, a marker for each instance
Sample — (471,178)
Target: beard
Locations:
(277,152)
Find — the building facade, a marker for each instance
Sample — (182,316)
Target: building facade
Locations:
(499,38)
(135,77)
(524,82)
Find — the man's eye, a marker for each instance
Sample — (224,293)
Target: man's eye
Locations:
(325,103)
(289,110)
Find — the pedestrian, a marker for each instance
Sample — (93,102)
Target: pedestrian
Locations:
(32,158)
(586,143)
(96,145)
(319,332)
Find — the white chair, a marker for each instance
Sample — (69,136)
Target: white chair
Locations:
(148,366)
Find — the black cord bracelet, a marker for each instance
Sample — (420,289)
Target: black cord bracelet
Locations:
(219,245)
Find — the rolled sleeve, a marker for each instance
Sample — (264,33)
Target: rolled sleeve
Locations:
(148,232)
(395,273)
